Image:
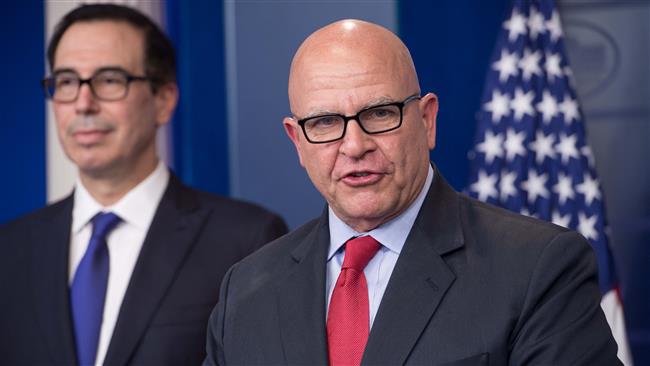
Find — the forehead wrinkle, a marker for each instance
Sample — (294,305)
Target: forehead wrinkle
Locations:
(334,81)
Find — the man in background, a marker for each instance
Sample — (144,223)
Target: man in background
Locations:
(400,268)
(127,268)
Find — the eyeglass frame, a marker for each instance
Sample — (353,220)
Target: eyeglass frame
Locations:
(355,117)
(129,78)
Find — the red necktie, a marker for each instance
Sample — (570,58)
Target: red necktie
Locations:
(348,319)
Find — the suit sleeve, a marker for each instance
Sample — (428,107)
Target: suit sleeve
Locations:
(561,322)
(214,343)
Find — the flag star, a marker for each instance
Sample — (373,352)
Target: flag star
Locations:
(524,211)
(569,76)
(567,71)
(569,107)
(535,186)
(535,23)
(516,25)
(589,188)
(586,151)
(514,144)
(561,220)
(491,146)
(543,146)
(507,185)
(529,64)
(507,65)
(499,105)
(548,107)
(567,147)
(552,66)
(563,188)
(522,104)
(485,186)
(587,226)
(554,27)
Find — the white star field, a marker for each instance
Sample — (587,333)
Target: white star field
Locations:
(531,154)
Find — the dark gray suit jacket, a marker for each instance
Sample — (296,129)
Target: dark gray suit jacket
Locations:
(192,241)
(474,285)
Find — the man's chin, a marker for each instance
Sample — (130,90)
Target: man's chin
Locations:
(362,216)
(95,169)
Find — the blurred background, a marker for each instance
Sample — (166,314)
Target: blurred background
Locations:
(234,56)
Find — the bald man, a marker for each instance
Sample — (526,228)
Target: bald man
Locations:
(399,268)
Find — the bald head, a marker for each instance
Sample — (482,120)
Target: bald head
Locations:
(357,71)
(351,47)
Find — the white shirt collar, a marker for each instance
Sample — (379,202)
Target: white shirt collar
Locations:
(391,235)
(136,208)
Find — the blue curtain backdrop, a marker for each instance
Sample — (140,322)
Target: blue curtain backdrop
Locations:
(22,129)
(200,133)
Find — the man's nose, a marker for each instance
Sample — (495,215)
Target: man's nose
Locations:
(356,142)
(86,101)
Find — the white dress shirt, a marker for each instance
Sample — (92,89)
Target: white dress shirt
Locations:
(391,235)
(136,209)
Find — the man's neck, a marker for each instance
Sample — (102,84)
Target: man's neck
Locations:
(110,187)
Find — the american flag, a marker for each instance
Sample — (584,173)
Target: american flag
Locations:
(531,155)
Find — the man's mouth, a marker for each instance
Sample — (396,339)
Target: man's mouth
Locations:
(362,178)
(89,137)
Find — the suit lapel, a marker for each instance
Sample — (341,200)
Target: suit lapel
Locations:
(419,280)
(171,235)
(301,300)
(50,275)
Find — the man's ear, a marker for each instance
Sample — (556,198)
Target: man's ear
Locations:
(166,98)
(294,132)
(429,113)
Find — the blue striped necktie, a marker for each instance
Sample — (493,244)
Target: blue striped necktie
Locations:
(89,289)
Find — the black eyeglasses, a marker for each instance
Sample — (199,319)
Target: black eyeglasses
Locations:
(106,84)
(373,120)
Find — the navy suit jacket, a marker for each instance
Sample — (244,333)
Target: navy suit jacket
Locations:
(193,239)
(474,285)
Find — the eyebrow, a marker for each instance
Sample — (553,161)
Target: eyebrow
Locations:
(372,103)
(101,69)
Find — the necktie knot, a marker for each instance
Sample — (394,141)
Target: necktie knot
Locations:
(359,251)
(103,223)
